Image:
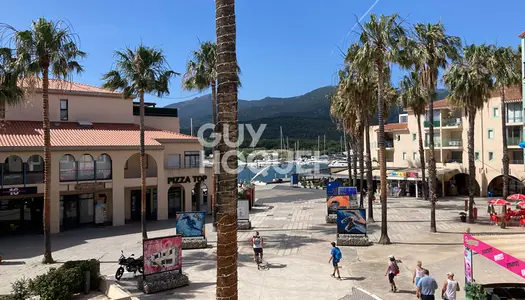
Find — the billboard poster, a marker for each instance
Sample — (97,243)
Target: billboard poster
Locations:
(162,254)
(351,221)
(347,190)
(331,188)
(468,265)
(243,209)
(336,202)
(191,224)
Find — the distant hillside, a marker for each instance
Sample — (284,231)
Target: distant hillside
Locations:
(302,117)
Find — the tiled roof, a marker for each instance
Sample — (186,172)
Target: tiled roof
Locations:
(512,94)
(69,86)
(522,35)
(395,127)
(70,134)
(440,104)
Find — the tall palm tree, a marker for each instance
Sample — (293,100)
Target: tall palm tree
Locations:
(47,49)
(10,92)
(227,83)
(411,97)
(140,71)
(380,43)
(470,82)
(506,73)
(430,49)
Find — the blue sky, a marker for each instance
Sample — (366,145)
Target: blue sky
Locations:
(285,47)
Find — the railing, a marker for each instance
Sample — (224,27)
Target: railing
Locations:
(451,122)
(17,178)
(73,172)
(437,143)
(456,161)
(389,144)
(452,143)
(516,162)
(436,124)
(513,141)
(518,119)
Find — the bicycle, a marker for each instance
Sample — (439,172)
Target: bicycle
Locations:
(259,262)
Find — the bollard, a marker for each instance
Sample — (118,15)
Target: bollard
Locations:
(87,282)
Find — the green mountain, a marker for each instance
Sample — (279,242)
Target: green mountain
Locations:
(303,117)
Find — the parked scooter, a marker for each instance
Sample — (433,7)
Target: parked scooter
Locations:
(130,263)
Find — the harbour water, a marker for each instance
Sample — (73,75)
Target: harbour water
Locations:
(275,172)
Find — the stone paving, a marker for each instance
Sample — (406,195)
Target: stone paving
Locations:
(292,221)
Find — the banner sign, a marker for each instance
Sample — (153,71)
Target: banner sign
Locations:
(331,188)
(191,224)
(351,221)
(404,174)
(162,254)
(336,202)
(503,259)
(19,191)
(347,190)
(468,265)
(243,209)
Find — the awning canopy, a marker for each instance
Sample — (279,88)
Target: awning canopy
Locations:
(410,174)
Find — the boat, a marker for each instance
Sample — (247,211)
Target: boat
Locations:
(338,164)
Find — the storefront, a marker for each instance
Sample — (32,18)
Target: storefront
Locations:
(175,200)
(87,207)
(21,211)
(136,204)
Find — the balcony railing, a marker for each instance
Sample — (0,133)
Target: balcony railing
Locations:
(389,144)
(516,162)
(436,124)
(455,160)
(517,119)
(451,122)
(437,143)
(513,141)
(18,178)
(452,143)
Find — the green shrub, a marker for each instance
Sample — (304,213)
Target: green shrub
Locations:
(21,289)
(475,291)
(91,265)
(53,285)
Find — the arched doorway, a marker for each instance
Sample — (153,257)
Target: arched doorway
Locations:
(175,200)
(132,166)
(458,185)
(199,197)
(132,170)
(13,170)
(496,186)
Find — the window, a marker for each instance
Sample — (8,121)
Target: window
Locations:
(514,112)
(63,110)
(495,112)
(414,155)
(192,159)
(173,161)
(86,168)
(68,170)
(490,134)
(476,155)
(414,137)
(491,156)
(403,118)
(13,170)
(103,166)
(404,156)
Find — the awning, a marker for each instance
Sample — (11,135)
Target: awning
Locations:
(411,174)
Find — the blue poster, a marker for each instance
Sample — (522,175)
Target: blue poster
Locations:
(347,190)
(331,188)
(351,221)
(191,224)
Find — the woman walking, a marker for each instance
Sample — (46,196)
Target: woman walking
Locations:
(391,271)
(418,273)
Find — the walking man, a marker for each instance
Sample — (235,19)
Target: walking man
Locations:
(427,286)
(335,258)
(257,244)
(450,287)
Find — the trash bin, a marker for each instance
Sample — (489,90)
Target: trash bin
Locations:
(475,213)
(87,282)
(463,217)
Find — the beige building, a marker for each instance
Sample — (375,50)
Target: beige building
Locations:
(450,140)
(95,162)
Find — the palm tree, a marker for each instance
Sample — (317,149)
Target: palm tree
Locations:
(506,73)
(411,97)
(227,83)
(49,48)
(10,92)
(429,50)
(470,82)
(380,43)
(140,71)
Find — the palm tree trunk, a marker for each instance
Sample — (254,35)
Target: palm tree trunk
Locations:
(142,170)
(505,158)
(369,179)
(422,158)
(47,167)
(471,164)
(384,239)
(432,163)
(348,157)
(214,149)
(361,166)
(354,160)
(227,182)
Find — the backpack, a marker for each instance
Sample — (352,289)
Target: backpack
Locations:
(396,268)
(338,255)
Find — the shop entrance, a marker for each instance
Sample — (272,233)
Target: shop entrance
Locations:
(151,204)
(76,211)
(175,200)
(22,215)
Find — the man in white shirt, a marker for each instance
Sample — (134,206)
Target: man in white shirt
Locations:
(450,287)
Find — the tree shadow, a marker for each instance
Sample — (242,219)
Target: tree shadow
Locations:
(360,278)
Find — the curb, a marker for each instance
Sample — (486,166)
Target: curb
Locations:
(368,293)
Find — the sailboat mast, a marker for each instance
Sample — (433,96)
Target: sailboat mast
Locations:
(281,128)
(191,125)
(324,144)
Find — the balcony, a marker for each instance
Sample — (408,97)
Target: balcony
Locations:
(516,161)
(513,141)
(437,143)
(436,124)
(445,123)
(19,178)
(517,120)
(389,144)
(453,143)
(156,111)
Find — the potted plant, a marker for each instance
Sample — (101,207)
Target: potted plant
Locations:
(475,291)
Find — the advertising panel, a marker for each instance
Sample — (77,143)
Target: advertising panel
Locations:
(336,202)
(331,188)
(351,221)
(468,265)
(243,209)
(191,224)
(162,254)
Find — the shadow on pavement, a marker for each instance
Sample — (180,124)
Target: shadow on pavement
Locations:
(275,265)
(12,263)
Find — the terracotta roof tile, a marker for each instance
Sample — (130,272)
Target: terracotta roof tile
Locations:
(69,86)
(522,35)
(512,94)
(440,104)
(395,127)
(70,134)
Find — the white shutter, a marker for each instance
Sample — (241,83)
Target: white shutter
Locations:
(173,161)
